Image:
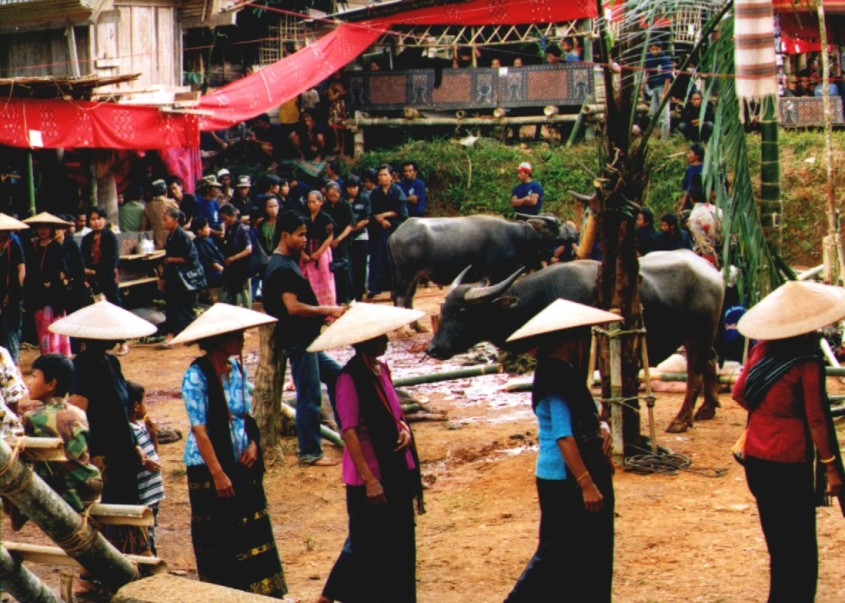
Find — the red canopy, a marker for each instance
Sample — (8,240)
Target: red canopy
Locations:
(289,77)
(59,123)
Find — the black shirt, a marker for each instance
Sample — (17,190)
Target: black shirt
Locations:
(342,216)
(283,276)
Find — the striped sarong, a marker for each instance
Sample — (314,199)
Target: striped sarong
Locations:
(233,538)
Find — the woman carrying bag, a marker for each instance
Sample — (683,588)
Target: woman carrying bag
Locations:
(231,530)
(183,276)
(783,388)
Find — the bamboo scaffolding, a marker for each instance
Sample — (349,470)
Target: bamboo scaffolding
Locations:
(61,523)
(22,584)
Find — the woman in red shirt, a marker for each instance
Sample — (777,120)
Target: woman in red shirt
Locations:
(783,388)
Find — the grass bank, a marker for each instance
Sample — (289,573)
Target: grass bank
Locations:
(478,179)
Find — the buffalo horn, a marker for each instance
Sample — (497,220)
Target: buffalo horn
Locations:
(459,279)
(582,198)
(492,291)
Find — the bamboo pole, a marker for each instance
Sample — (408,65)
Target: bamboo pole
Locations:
(326,433)
(61,523)
(616,393)
(475,371)
(22,584)
(466,121)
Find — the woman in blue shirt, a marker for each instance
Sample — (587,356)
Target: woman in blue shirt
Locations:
(230,526)
(573,471)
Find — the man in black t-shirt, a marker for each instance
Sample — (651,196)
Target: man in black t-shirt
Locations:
(288,296)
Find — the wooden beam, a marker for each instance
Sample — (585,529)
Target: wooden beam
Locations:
(38,449)
(53,555)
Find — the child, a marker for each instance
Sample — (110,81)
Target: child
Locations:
(150,483)
(77,481)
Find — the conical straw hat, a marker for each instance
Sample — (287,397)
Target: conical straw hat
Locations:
(47,218)
(793,309)
(10,223)
(104,321)
(362,322)
(222,318)
(563,314)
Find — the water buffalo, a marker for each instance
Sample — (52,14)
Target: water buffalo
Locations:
(681,295)
(438,248)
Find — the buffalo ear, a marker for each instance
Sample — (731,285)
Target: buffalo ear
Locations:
(506,302)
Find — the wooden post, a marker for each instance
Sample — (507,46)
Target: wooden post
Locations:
(616,394)
(358,139)
(269,380)
(22,584)
(61,523)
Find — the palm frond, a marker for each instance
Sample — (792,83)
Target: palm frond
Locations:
(726,172)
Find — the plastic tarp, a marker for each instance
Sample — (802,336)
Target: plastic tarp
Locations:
(285,79)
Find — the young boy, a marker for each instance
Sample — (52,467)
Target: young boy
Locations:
(150,483)
(211,256)
(77,481)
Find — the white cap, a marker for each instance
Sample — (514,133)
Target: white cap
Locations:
(525,167)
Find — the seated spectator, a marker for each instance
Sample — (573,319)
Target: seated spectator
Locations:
(414,189)
(671,235)
(76,480)
(806,87)
(131,210)
(832,88)
(790,89)
(495,63)
(645,232)
(208,206)
(267,139)
(571,51)
(333,174)
(692,125)
(224,177)
(465,56)
(695,161)
(553,55)
(309,139)
(210,255)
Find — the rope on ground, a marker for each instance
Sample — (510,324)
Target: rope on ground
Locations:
(666,463)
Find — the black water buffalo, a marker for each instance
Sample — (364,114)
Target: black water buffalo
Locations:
(681,295)
(438,248)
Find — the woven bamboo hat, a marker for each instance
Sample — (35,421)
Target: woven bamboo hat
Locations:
(362,322)
(222,318)
(103,321)
(47,218)
(563,314)
(793,309)
(10,223)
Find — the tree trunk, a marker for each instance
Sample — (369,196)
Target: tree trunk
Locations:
(106,194)
(269,381)
(61,523)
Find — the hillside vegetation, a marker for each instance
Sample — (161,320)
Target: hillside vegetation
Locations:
(478,179)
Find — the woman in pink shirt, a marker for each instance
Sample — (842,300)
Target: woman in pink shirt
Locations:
(783,388)
(381,469)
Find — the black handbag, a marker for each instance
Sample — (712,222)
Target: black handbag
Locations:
(258,259)
(192,278)
(340,265)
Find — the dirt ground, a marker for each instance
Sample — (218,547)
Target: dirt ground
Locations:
(686,537)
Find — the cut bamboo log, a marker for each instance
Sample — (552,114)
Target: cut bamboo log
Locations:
(475,371)
(427,417)
(22,584)
(38,449)
(61,523)
(53,555)
(121,515)
(325,432)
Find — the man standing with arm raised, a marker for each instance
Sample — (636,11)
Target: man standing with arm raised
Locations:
(288,296)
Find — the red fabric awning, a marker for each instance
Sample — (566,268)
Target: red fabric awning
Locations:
(59,123)
(286,79)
